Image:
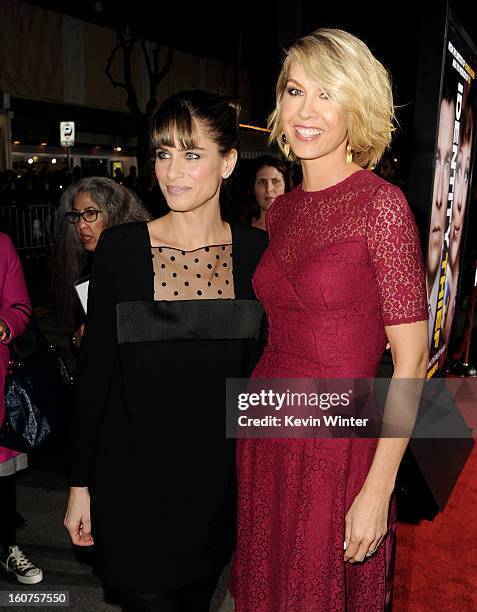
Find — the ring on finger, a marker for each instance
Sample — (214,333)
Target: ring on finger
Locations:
(370,553)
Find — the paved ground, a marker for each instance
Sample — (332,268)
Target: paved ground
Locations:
(42,501)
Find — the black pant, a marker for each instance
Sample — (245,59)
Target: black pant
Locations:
(193,598)
(8,510)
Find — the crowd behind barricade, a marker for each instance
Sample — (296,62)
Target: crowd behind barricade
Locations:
(31,187)
(29,200)
(45,186)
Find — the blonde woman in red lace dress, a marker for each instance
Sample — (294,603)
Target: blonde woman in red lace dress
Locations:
(342,276)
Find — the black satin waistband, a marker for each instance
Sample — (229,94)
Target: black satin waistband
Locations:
(147,321)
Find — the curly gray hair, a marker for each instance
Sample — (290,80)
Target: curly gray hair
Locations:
(69,258)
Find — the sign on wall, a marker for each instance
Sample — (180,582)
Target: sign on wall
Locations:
(67,133)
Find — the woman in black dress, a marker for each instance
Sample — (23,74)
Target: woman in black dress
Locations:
(171,314)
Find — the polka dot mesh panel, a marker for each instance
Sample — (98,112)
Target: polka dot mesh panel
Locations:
(202,274)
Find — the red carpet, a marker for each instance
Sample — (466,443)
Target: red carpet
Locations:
(436,562)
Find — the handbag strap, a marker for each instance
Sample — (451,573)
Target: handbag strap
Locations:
(42,341)
(27,311)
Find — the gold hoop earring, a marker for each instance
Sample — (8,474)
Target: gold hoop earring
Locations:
(285,144)
(349,154)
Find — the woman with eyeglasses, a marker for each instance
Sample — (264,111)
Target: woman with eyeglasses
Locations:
(86,208)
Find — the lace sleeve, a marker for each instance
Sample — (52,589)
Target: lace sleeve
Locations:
(394,246)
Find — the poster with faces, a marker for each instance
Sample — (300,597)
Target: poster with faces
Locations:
(454,152)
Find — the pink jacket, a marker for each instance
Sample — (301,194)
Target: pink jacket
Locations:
(12,291)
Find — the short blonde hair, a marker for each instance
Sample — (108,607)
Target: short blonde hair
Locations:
(343,66)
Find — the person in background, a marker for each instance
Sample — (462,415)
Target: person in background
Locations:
(343,274)
(119,176)
(15,311)
(269,180)
(388,168)
(131,180)
(86,208)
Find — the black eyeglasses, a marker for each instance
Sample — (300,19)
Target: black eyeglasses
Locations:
(89,216)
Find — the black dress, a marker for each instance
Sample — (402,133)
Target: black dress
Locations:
(149,428)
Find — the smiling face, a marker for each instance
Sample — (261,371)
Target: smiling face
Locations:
(88,232)
(314,126)
(191,178)
(460,200)
(441,187)
(269,184)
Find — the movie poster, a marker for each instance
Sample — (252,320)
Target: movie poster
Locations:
(451,191)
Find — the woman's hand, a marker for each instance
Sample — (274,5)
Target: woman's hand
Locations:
(366,524)
(78,519)
(4,331)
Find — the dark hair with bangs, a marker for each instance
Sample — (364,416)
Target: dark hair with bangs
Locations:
(268,160)
(253,209)
(176,119)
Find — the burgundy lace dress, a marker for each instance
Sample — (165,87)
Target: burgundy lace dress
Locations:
(342,263)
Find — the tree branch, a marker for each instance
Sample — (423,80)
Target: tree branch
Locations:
(147,59)
(127,46)
(108,68)
(155,57)
(164,70)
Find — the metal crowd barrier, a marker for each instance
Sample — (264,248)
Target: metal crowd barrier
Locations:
(30,227)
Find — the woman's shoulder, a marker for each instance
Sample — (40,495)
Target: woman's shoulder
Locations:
(389,208)
(7,249)
(374,196)
(253,236)
(282,204)
(381,187)
(249,244)
(129,230)
(6,242)
(288,198)
(286,201)
(120,242)
(125,235)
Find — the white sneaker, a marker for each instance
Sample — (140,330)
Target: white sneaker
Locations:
(25,571)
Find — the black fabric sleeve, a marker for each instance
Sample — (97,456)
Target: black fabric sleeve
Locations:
(254,243)
(99,352)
